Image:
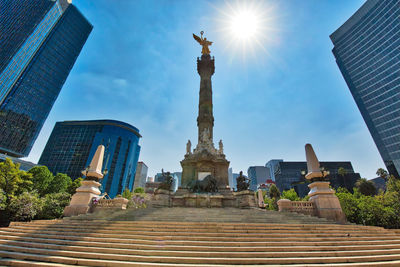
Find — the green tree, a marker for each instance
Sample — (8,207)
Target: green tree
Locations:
(74,185)
(41,178)
(342,171)
(365,187)
(3,199)
(60,183)
(382,173)
(138,190)
(290,194)
(13,181)
(127,194)
(274,192)
(25,206)
(53,205)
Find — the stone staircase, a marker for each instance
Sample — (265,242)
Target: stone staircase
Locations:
(196,237)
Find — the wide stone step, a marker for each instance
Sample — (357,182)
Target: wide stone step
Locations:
(242,238)
(202,232)
(196,228)
(196,260)
(23,263)
(210,253)
(272,247)
(204,214)
(163,242)
(192,225)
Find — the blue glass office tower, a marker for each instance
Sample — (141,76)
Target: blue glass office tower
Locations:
(72,145)
(40,41)
(366,48)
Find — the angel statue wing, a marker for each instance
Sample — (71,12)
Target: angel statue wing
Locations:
(198,39)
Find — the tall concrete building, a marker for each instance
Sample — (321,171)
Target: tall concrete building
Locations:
(140,175)
(366,48)
(39,43)
(72,145)
(257,175)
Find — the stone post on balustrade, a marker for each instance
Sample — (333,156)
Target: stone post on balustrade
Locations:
(82,200)
(326,202)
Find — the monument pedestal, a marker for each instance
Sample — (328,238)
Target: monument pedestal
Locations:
(81,201)
(326,202)
(195,165)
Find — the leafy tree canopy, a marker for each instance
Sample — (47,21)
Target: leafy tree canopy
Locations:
(74,185)
(60,183)
(365,187)
(41,178)
(13,180)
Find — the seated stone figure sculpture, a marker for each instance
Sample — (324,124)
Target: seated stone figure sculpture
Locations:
(242,182)
(207,185)
(167,181)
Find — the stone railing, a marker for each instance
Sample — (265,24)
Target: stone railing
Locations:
(304,207)
(116,203)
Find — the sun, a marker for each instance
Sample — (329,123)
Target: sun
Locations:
(246,27)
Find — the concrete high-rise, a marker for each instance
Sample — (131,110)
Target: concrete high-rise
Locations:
(366,48)
(140,175)
(72,145)
(39,43)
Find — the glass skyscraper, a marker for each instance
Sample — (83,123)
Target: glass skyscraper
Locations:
(72,145)
(366,48)
(39,43)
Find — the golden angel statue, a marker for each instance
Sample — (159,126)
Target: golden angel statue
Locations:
(203,42)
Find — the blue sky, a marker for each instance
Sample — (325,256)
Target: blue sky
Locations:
(139,66)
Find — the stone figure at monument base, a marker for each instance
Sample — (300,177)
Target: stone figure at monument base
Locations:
(243,183)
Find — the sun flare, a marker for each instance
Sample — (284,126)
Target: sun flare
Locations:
(247,27)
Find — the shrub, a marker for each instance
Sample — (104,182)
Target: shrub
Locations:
(138,190)
(274,192)
(137,202)
(291,195)
(127,194)
(53,205)
(25,206)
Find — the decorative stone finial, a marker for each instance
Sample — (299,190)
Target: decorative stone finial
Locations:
(94,170)
(312,163)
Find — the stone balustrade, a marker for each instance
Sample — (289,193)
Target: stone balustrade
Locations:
(116,203)
(304,207)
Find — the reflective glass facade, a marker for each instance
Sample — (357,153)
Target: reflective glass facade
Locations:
(288,175)
(72,145)
(39,43)
(366,48)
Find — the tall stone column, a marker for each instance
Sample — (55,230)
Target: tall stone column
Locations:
(205,120)
(205,159)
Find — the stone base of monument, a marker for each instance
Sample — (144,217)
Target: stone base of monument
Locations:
(161,198)
(245,199)
(221,199)
(326,203)
(81,201)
